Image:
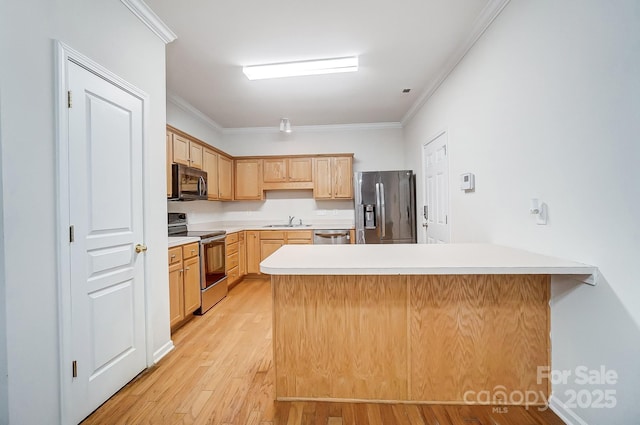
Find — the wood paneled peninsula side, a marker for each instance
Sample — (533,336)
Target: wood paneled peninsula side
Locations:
(418,323)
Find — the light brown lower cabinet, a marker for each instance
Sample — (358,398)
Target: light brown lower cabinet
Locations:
(299,237)
(184,283)
(176,294)
(262,243)
(242,254)
(234,258)
(253,251)
(269,246)
(270,241)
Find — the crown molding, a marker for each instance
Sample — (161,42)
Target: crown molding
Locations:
(316,128)
(481,24)
(150,19)
(189,108)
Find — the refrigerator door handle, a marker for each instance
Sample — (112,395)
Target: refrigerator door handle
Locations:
(380,223)
(382,212)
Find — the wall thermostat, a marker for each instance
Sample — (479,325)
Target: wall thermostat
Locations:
(467,181)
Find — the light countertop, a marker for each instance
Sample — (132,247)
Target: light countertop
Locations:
(232,227)
(181,240)
(407,259)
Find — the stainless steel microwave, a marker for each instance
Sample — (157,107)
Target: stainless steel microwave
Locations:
(187,183)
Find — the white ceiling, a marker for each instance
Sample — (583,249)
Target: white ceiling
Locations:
(400,44)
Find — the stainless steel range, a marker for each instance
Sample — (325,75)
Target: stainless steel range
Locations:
(213,278)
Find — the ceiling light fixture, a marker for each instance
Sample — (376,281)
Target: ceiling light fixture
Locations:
(285,125)
(294,69)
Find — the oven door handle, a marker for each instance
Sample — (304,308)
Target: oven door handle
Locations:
(212,239)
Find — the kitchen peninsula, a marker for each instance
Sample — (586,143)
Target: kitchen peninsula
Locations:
(418,323)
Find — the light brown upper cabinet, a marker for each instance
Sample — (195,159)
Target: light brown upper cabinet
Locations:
(300,169)
(287,173)
(274,170)
(210,165)
(179,150)
(225,178)
(186,152)
(332,177)
(249,179)
(195,154)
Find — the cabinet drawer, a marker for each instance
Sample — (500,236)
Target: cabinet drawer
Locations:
(233,276)
(272,234)
(231,238)
(299,242)
(232,261)
(299,234)
(175,255)
(190,250)
(232,248)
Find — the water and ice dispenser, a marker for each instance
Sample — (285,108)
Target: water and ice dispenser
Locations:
(369,216)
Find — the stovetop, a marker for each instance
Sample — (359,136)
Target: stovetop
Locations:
(177,226)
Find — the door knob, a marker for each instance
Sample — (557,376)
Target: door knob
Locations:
(140,248)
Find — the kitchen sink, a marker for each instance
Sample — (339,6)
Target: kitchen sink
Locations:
(288,225)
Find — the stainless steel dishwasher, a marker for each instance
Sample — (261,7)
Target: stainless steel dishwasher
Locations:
(331,237)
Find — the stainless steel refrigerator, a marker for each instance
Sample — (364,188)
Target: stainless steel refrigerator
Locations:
(385,206)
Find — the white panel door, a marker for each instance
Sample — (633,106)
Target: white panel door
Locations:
(435,220)
(107,275)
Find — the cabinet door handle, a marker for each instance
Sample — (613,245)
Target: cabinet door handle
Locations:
(173,256)
(187,269)
(181,270)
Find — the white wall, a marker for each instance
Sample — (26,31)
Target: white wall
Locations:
(110,34)
(374,148)
(178,117)
(546,105)
(190,123)
(4,382)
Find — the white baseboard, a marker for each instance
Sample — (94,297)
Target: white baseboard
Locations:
(567,415)
(163,351)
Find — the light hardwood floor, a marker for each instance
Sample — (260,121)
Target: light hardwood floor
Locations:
(221,373)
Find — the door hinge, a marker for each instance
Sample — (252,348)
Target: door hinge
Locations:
(69,99)
(72,234)
(446,219)
(74,369)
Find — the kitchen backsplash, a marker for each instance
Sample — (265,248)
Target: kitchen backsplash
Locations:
(277,206)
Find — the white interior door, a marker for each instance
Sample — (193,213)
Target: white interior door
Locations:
(106,211)
(435,217)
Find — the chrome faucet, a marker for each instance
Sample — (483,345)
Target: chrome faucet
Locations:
(291,220)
